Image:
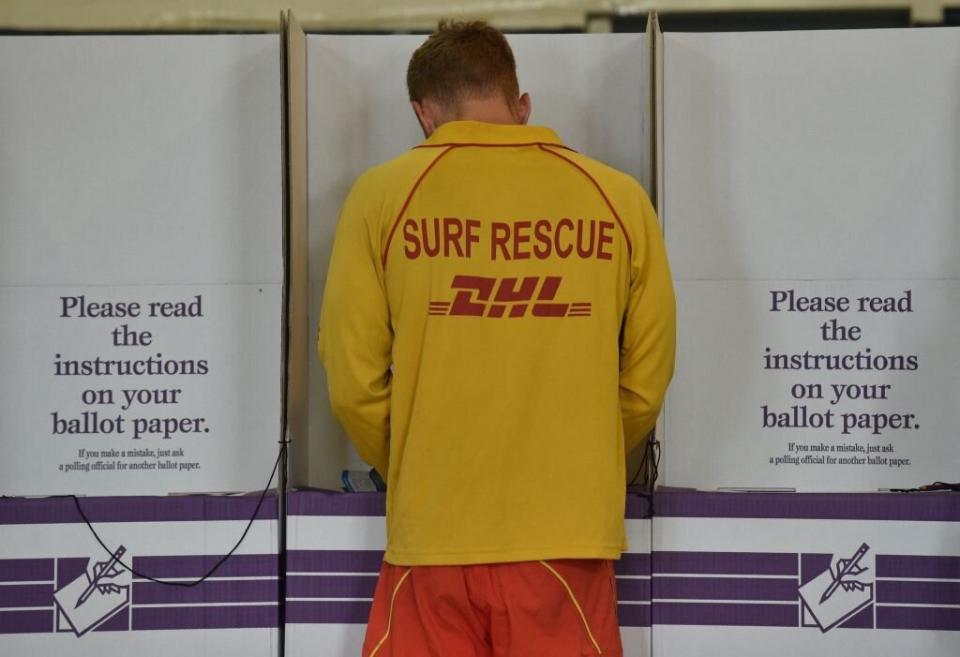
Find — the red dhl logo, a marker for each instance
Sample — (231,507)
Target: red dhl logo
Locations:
(513,297)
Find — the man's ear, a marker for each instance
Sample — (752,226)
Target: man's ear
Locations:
(524,107)
(425,117)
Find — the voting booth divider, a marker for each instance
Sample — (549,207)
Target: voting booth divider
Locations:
(141,263)
(744,571)
(807,189)
(62,592)
(812,218)
(161,272)
(141,333)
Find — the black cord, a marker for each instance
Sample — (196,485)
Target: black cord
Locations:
(643,462)
(650,470)
(256,511)
(653,474)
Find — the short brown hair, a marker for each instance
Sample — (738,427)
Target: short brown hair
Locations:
(462,60)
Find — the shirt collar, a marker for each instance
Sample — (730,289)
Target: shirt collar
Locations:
(477,132)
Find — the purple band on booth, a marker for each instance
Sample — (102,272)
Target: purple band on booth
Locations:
(932,507)
(179,508)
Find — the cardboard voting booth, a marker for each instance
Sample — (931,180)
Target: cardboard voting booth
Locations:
(806,574)
(335,548)
(807,190)
(168,206)
(812,219)
(141,263)
(592,89)
(358,115)
(141,288)
(62,593)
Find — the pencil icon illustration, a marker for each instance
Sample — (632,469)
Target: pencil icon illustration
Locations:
(847,567)
(110,569)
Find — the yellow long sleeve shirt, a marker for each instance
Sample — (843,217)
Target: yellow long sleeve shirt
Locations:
(498,330)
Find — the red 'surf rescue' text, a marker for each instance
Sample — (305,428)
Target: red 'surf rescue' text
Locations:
(453,237)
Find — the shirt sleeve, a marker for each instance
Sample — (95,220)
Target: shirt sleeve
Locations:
(648,340)
(355,336)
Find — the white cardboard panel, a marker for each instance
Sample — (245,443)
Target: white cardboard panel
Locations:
(825,163)
(149,643)
(64,542)
(710,538)
(225,421)
(813,155)
(718,429)
(149,159)
(140,169)
(590,88)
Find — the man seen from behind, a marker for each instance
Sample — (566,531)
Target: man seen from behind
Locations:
(498,330)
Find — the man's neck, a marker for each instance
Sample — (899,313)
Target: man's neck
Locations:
(487,110)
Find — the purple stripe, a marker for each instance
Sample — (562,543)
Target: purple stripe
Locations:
(25,622)
(633,589)
(249,590)
(193,618)
(931,593)
(724,588)
(331,586)
(120,621)
(20,511)
(633,563)
(332,503)
(349,611)
(812,564)
(633,615)
(940,507)
(238,565)
(26,570)
(638,507)
(334,561)
(26,595)
(862,620)
(918,618)
(724,563)
(70,568)
(702,613)
(915,566)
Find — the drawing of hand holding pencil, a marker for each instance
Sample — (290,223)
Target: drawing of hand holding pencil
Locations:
(91,599)
(834,595)
(847,568)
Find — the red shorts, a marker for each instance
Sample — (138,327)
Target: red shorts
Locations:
(557,608)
